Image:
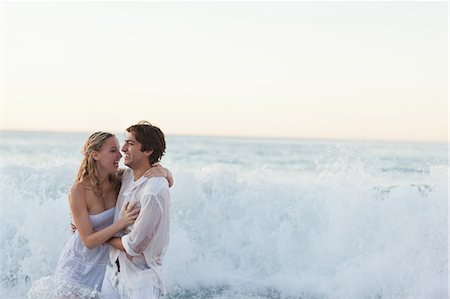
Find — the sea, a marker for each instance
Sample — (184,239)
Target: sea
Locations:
(252,217)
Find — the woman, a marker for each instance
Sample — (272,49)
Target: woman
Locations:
(81,266)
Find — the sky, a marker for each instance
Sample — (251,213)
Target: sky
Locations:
(322,70)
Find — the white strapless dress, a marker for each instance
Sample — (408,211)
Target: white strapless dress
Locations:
(80,271)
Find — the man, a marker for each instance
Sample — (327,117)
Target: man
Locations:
(134,269)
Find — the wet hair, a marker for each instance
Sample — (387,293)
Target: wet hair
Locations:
(151,139)
(88,171)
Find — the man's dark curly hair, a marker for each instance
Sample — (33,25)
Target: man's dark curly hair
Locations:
(151,139)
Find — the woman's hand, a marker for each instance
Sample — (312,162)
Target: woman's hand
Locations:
(158,171)
(129,214)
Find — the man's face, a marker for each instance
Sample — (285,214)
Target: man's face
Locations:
(131,149)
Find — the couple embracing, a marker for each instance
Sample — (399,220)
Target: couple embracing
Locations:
(122,221)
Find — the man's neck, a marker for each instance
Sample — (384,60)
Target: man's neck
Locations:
(139,172)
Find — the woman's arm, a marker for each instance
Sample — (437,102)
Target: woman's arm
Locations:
(116,243)
(158,171)
(89,237)
(169,178)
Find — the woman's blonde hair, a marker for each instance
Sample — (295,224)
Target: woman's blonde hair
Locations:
(88,171)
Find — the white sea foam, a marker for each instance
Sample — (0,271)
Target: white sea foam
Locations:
(336,238)
(242,228)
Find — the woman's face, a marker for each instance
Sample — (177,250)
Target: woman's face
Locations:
(109,155)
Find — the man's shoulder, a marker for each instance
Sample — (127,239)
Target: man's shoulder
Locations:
(156,185)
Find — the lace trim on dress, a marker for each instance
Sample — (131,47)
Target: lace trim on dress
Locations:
(52,287)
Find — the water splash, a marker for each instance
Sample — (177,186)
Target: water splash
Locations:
(332,225)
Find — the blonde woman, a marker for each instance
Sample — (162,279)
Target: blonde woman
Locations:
(81,266)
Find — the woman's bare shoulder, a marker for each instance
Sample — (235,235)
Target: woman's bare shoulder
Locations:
(77,192)
(78,187)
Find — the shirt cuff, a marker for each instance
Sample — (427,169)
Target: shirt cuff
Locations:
(127,246)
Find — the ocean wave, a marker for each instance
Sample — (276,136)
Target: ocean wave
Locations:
(344,230)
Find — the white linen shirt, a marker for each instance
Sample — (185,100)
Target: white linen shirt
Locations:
(146,240)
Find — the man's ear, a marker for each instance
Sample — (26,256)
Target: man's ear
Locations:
(148,153)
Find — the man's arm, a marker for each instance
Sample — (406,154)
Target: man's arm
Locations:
(146,224)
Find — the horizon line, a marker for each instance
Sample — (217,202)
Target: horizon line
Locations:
(231,136)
